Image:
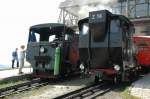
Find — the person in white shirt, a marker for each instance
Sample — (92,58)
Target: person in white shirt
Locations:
(22,57)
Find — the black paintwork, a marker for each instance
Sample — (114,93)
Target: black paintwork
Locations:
(100,46)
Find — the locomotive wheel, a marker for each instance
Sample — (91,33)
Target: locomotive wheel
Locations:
(69,71)
(96,79)
(134,76)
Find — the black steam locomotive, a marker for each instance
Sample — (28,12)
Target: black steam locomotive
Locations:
(52,50)
(105,46)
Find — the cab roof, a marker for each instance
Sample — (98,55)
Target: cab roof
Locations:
(51,29)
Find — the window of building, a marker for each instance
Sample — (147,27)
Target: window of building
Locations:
(141,10)
(132,11)
(124,12)
(149,8)
(117,10)
(141,1)
(132,2)
(137,8)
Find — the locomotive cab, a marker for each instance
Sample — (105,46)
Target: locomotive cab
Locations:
(105,45)
(50,50)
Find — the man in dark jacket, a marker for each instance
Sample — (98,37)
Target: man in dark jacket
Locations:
(15,58)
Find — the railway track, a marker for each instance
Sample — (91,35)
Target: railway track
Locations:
(21,87)
(89,92)
(28,85)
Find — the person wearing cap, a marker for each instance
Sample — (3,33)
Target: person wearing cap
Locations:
(22,57)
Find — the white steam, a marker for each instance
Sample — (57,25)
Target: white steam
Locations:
(84,11)
(81,8)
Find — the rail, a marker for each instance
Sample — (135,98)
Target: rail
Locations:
(88,91)
(22,87)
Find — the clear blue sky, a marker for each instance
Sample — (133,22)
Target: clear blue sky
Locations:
(16,16)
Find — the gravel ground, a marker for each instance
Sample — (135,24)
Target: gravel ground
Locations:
(141,88)
(110,95)
(52,90)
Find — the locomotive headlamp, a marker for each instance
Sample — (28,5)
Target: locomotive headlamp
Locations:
(117,67)
(42,49)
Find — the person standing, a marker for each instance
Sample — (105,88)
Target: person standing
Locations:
(15,58)
(22,57)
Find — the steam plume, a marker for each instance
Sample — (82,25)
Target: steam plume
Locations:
(82,7)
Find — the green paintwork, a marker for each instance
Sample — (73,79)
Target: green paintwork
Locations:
(57,61)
